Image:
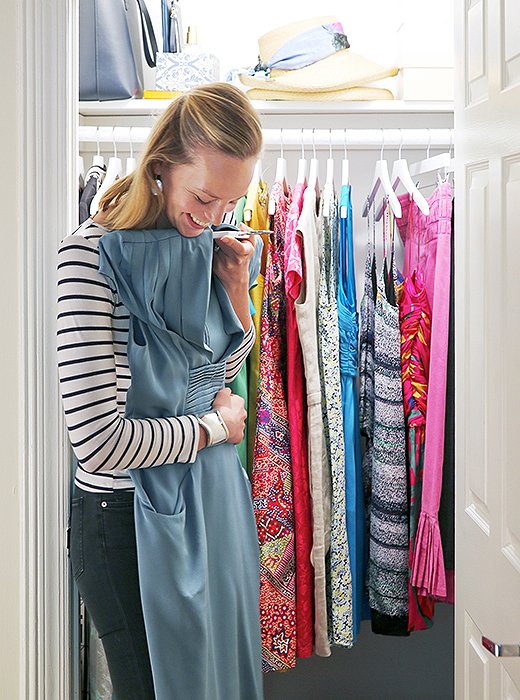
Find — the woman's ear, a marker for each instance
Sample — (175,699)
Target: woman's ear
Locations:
(157,169)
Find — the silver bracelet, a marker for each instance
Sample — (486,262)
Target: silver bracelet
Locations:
(216,430)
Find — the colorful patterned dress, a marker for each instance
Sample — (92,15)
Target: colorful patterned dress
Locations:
(340,599)
(271,475)
(415,318)
(348,352)
(388,562)
(366,379)
(255,216)
(297,410)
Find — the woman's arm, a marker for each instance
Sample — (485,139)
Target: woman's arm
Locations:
(235,361)
(94,375)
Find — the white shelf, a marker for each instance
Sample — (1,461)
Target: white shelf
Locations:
(139,107)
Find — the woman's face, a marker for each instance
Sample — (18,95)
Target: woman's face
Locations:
(199,193)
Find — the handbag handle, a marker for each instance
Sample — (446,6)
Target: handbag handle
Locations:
(149,40)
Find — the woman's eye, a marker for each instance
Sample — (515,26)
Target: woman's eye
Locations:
(200,200)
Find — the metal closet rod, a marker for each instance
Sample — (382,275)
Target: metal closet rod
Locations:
(294,138)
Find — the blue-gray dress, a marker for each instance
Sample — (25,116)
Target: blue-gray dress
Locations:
(196,535)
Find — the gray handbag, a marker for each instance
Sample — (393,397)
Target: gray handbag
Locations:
(111,48)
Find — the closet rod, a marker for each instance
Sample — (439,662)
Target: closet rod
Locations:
(293,138)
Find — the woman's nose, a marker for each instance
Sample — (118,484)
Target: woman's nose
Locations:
(215,213)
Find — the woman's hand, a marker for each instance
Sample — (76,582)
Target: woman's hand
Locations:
(231,408)
(231,265)
(231,259)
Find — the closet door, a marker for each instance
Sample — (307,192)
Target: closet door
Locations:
(487,233)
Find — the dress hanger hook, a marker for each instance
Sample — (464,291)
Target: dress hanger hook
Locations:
(383,144)
(313,145)
(345,143)
(114,141)
(400,142)
(330,143)
(303,150)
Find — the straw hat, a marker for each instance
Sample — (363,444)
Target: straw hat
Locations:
(355,94)
(338,70)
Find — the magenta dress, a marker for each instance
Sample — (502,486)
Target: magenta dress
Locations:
(297,411)
(428,246)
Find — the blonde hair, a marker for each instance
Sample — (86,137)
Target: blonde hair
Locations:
(217,116)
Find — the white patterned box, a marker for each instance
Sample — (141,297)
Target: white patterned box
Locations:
(182,71)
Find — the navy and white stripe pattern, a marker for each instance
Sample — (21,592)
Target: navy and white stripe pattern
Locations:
(94,376)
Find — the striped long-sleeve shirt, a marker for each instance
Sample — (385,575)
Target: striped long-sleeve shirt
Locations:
(94,376)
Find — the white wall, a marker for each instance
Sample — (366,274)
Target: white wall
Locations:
(10,405)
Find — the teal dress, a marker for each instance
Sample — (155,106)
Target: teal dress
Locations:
(348,352)
(196,536)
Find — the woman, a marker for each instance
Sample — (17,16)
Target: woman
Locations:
(153,320)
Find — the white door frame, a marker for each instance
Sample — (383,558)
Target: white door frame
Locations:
(47,108)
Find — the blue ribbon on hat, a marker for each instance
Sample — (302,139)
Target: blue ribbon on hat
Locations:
(306,48)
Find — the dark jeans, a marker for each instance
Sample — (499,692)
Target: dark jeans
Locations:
(104,565)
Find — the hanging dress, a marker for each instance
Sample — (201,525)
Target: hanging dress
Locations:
(319,476)
(271,475)
(434,234)
(340,598)
(240,383)
(196,537)
(366,381)
(297,413)
(255,216)
(348,352)
(415,320)
(388,563)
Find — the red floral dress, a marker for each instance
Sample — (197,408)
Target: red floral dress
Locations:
(271,473)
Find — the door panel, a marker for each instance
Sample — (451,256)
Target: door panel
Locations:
(487,253)
(476,664)
(476,69)
(511,46)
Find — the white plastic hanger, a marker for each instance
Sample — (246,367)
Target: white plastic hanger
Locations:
(345,169)
(382,179)
(313,180)
(329,178)
(345,173)
(98,158)
(114,170)
(130,161)
(435,163)
(302,167)
(401,175)
(255,181)
(81,171)
(280,176)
